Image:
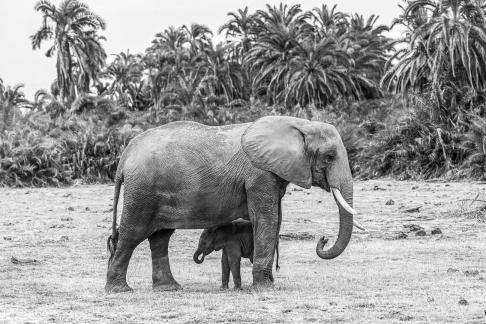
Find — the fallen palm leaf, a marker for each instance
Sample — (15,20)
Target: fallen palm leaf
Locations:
(15,260)
(412,209)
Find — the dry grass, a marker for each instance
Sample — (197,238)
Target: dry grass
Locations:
(379,279)
(474,208)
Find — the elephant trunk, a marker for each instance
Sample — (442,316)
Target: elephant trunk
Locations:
(196,257)
(345,203)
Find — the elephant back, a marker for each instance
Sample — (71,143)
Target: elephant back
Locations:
(186,138)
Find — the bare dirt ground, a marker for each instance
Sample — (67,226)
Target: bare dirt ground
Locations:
(380,278)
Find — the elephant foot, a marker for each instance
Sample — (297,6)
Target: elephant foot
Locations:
(171,286)
(117,288)
(238,288)
(263,284)
(262,279)
(224,287)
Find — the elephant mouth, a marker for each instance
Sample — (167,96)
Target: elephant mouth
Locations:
(319,179)
(325,184)
(342,202)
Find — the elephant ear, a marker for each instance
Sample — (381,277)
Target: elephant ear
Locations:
(276,144)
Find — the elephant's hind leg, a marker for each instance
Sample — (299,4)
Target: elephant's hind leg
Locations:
(161,275)
(131,234)
(116,280)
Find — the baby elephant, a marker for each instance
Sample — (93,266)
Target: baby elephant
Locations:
(236,240)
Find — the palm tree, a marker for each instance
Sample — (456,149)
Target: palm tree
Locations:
(90,59)
(165,70)
(177,61)
(198,36)
(240,34)
(42,99)
(240,29)
(318,74)
(71,26)
(46,102)
(329,22)
(368,47)
(446,55)
(12,99)
(125,73)
(362,40)
(281,17)
(170,40)
(279,32)
(166,60)
(222,77)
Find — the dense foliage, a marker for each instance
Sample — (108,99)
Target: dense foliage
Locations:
(444,58)
(441,70)
(11,99)
(281,56)
(413,107)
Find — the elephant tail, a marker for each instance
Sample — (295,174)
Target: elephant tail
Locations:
(111,245)
(277,267)
(113,238)
(279,223)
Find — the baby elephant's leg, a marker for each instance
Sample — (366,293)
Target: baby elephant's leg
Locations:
(234,258)
(225,267)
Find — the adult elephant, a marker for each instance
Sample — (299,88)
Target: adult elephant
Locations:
(188,175)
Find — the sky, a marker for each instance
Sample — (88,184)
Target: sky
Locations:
(132,24)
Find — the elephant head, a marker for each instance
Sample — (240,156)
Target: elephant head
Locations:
(212,239)
(306,153)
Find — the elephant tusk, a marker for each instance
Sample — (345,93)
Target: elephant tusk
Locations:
(339,198)
(358,225)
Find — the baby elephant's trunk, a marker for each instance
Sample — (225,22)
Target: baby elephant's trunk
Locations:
(196,257)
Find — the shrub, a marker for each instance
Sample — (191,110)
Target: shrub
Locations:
(415,148)
(86,143)
(41,151)
(474,145)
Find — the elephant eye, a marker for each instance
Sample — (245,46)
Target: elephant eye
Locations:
(329,156)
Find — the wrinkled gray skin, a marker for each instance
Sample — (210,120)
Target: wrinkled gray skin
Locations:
(236,240)
(188,175)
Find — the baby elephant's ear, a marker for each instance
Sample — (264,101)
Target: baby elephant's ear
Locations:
(277,144)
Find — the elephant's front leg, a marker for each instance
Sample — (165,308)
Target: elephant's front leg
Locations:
(263,204)
(235,264)
(161,275)
(234,259)
(225,273)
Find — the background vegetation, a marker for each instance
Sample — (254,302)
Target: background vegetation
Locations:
(411,108)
